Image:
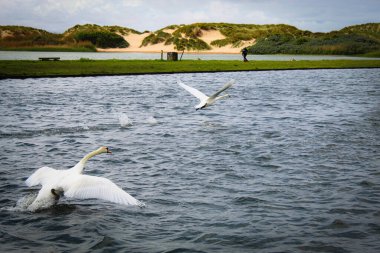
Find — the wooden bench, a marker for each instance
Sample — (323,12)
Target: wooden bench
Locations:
(49,58)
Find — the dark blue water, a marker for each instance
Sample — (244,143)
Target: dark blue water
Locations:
(289,163)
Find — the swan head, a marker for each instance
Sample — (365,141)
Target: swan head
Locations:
(57,193)
(103,150)
(200,106)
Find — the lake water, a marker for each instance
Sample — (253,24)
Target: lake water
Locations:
(24,55)
(289,163)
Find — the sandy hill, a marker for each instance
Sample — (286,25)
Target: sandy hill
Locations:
(138,43)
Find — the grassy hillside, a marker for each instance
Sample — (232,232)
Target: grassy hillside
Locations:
(352,40)
(274,39)
(78,38)
(371,30)
(189,36)
(264,39)
(100,36)
(29,38)
(97,28)
(188,41)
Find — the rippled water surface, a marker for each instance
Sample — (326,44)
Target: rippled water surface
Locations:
(289,163)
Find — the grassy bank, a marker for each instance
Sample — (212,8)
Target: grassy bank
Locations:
(21,69)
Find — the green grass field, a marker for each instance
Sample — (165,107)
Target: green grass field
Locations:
(85,67)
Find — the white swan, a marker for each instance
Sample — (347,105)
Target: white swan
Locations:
(205,100)
(72,184)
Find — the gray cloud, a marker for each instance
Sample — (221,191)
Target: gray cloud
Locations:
(316,16)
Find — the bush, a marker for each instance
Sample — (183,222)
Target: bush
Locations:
(190,31)
(190,44)
(155,38)
(220,43)
(102,39)
(85,59)
(332,43)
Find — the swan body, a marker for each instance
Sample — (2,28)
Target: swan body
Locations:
(205,100)
(72,183)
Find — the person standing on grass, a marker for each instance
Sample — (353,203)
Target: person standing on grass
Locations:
(244,52)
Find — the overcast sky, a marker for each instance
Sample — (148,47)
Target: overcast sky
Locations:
(313,15)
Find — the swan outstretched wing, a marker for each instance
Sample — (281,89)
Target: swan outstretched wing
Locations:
(225,87)
(85,187)
(192,91)
(43,176)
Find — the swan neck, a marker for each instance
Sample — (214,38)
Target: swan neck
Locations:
(217,98)
(84,160)
(88,156)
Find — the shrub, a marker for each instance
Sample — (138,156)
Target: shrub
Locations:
(155,38)
(190,44)
(102,39)
(220,43)
(331,43)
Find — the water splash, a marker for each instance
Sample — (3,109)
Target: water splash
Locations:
(23,203)
(124,120)
(151,120)
(141,204)
(27,204)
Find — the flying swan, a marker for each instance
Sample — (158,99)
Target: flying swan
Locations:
(205,101)
(72,183)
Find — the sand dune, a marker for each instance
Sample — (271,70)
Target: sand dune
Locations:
(207,36)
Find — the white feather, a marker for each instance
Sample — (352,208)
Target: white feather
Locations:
(196,93)
(43,176)
(225,87)
(87,187)
(205,101)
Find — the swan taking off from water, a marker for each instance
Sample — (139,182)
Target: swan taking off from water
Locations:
(205,100)
(72,183)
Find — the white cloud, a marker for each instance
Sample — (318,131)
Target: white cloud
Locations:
(132,3)
(220,10)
